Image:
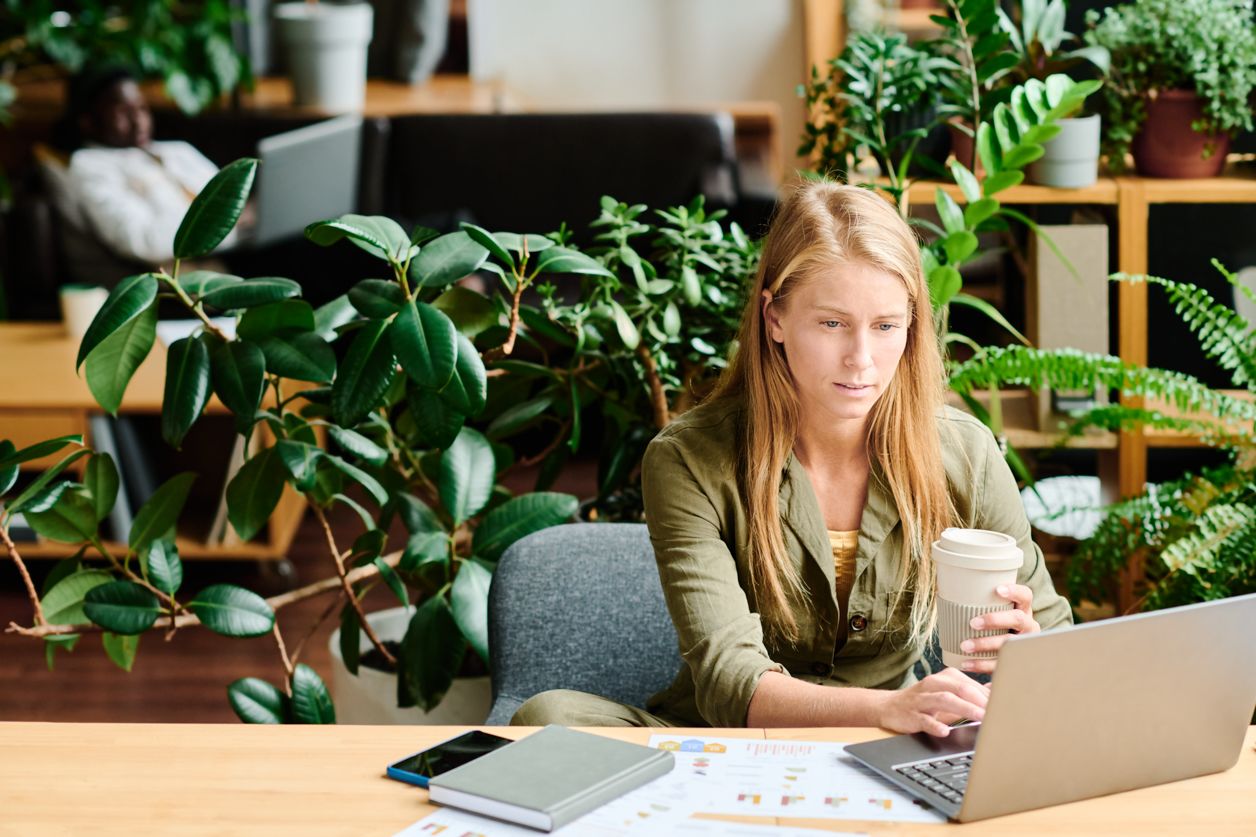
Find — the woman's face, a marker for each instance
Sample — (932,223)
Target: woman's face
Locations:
(121,118)
(843,331)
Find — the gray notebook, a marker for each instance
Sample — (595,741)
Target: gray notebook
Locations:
(550,778)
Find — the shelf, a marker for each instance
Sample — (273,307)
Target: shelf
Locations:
(1104,191)
(1019,407)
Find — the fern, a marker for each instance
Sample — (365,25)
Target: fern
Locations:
(1222,333)
(1074,369)
(1118,417)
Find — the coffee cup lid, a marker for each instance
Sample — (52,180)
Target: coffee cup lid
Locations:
(978,549)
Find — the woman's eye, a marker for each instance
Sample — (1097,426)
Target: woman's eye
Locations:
(831,323)
(886,326)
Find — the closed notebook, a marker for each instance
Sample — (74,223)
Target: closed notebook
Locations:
(549,778)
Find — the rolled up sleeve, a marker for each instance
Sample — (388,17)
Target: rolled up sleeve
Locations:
(1000,509)
(721,640)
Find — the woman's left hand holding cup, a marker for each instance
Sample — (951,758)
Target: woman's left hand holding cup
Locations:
(1018,620)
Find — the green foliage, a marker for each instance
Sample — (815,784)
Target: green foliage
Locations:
(1036,32)
(1208,46)
(188,45)
(976,49)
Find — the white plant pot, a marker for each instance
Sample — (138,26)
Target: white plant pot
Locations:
(1071,158)
(325,45)
(370,697)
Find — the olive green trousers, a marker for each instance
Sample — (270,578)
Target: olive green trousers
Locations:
(580,709)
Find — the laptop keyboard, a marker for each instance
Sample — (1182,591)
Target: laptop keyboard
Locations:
(946,777)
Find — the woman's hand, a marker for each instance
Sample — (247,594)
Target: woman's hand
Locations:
(934,703)
(1019,620)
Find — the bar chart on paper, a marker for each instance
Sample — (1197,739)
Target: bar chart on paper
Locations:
(788,779)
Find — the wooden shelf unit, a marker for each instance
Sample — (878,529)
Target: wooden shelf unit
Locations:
(1133,198)
(41,397)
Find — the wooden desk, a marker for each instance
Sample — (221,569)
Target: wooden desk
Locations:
(41,397)
(175,779)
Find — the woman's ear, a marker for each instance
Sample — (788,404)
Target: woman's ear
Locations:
(771,322)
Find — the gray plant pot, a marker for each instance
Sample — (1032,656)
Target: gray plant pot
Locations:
(1071,160)
(326,49)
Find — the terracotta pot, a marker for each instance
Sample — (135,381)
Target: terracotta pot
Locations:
(1168,147)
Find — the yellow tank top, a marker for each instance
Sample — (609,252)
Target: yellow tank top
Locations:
(844,544)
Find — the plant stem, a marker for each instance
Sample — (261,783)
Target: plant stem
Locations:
(331,608)
(348,587)
(283,654)
(26,577)
(658,397)
(509,346)
(195,308)
(971,63)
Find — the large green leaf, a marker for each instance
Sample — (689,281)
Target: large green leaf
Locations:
(311,702)
(238,370)
(251,292)
(122,607)
(489,242)
(187,388)
(518,517)
(436,422)
(197,282)
(359,476)
(35,490)
(120,649)
(377,299)
(470,312)
(329,317)
(257,702)
(157,517)
(301,357)
(518,416)
(63,604)
(350,638)
(426,344)
(288,316)
(112,363)
(232,611)
(378,235)
(163,567)
(254,492)
(358,445)
(12,456)
(432,652)
(446,260)
(71,519)
(424,548)
(563,260)
(467,389)
(417,515)
(467,474)
(100,478)
(393,581)
(215,210)
(364,375)
(301,460)
(469,600)
(132,297)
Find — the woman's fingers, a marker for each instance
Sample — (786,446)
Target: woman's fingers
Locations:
(964,686)
(1005,620)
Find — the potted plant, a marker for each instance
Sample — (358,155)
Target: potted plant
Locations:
(365,403)
(190,47)
(325,45)
(1180,83)
(1071,158)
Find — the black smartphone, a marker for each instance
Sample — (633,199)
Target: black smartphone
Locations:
(418,768)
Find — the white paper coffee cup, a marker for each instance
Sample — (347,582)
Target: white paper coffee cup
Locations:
(79,306)
(971,564)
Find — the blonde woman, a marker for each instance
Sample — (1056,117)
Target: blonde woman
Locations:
(791,514)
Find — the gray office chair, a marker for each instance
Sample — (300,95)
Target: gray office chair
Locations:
(579,606)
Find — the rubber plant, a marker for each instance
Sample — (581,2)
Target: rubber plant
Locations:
(366,402)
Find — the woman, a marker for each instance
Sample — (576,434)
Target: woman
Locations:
(792,513)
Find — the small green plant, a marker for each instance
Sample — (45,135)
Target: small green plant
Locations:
(1205,46)
(1036,33)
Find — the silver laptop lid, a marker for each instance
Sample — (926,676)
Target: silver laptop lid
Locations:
(307,175)
(1115,705)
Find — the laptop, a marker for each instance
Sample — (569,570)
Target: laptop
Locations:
(306,175)
(1091,710)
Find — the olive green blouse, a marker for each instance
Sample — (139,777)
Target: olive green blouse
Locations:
(698,528)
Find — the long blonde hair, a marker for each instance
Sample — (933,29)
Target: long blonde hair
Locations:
(820,225)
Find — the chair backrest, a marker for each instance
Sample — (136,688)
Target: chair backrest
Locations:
(579,606)
(530,172)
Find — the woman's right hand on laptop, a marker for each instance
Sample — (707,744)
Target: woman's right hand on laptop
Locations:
(934,703)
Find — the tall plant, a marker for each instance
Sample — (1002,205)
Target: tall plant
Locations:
(372,394)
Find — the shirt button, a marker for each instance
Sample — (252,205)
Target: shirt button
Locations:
(821,669)
(858,623)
